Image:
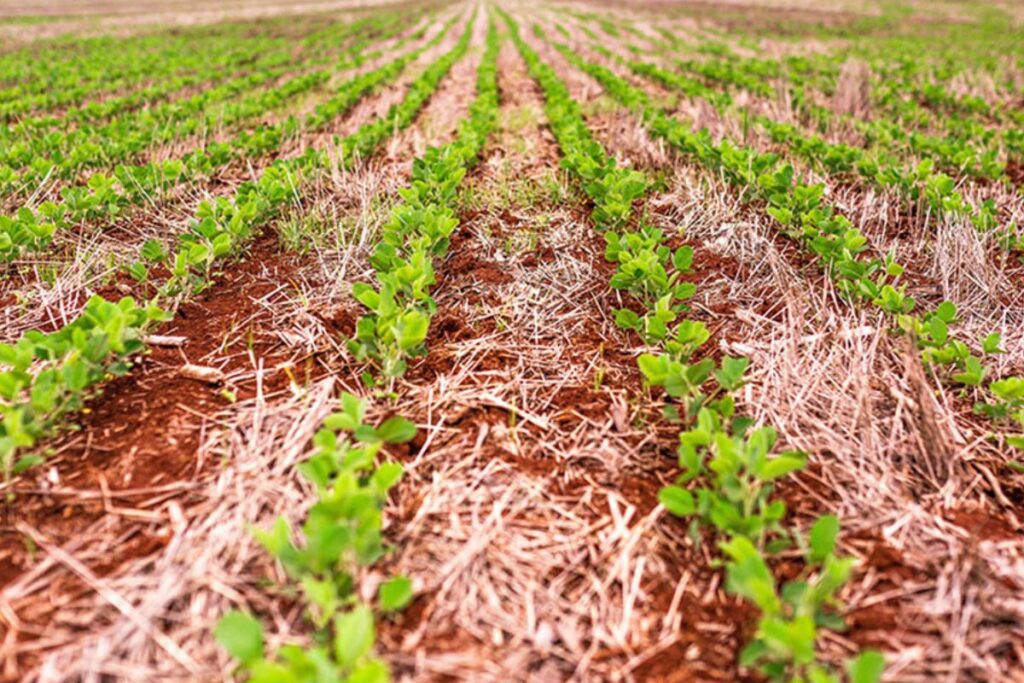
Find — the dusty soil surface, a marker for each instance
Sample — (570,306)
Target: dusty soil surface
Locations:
(126,470)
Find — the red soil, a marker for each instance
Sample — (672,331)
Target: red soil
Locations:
(146,428)
(1015,172)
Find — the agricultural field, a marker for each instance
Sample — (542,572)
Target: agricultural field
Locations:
(349,340)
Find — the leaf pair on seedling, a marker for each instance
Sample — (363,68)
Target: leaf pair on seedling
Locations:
(390,332)
(784,646)
(342,533)
(33,399)
(644,271)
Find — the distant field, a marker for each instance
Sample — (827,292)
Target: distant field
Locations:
(505,341)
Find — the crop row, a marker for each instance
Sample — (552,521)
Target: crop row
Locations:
(50,375)
(104,197)
(969,147)
(65,154)
(24,118)
(351,485)
(106,66)
(721,449)
(904,68)
(213,66)
(341,534)
(399,306)
(919,184)
(801,212)
(67,70)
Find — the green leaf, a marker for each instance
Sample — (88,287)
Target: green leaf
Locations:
(322,594)
(990,344)
(395,593)
(76,375)
(276,539)
(387,475)
(138,271)
(781,466)
(823,537)
(411,329)
(750,655)
(818,674)
(653,368)
(974,372)
(730,375)
(396,430)
(26,462)
(351,415)
(698,373)
(627,319)
(241,635)
(683,258)
(366,295)
(371,672)
(354,633)
(796,636)
(748,575)
(677,500)
(867,667)
(939,330)
(946,312)
(153,251)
